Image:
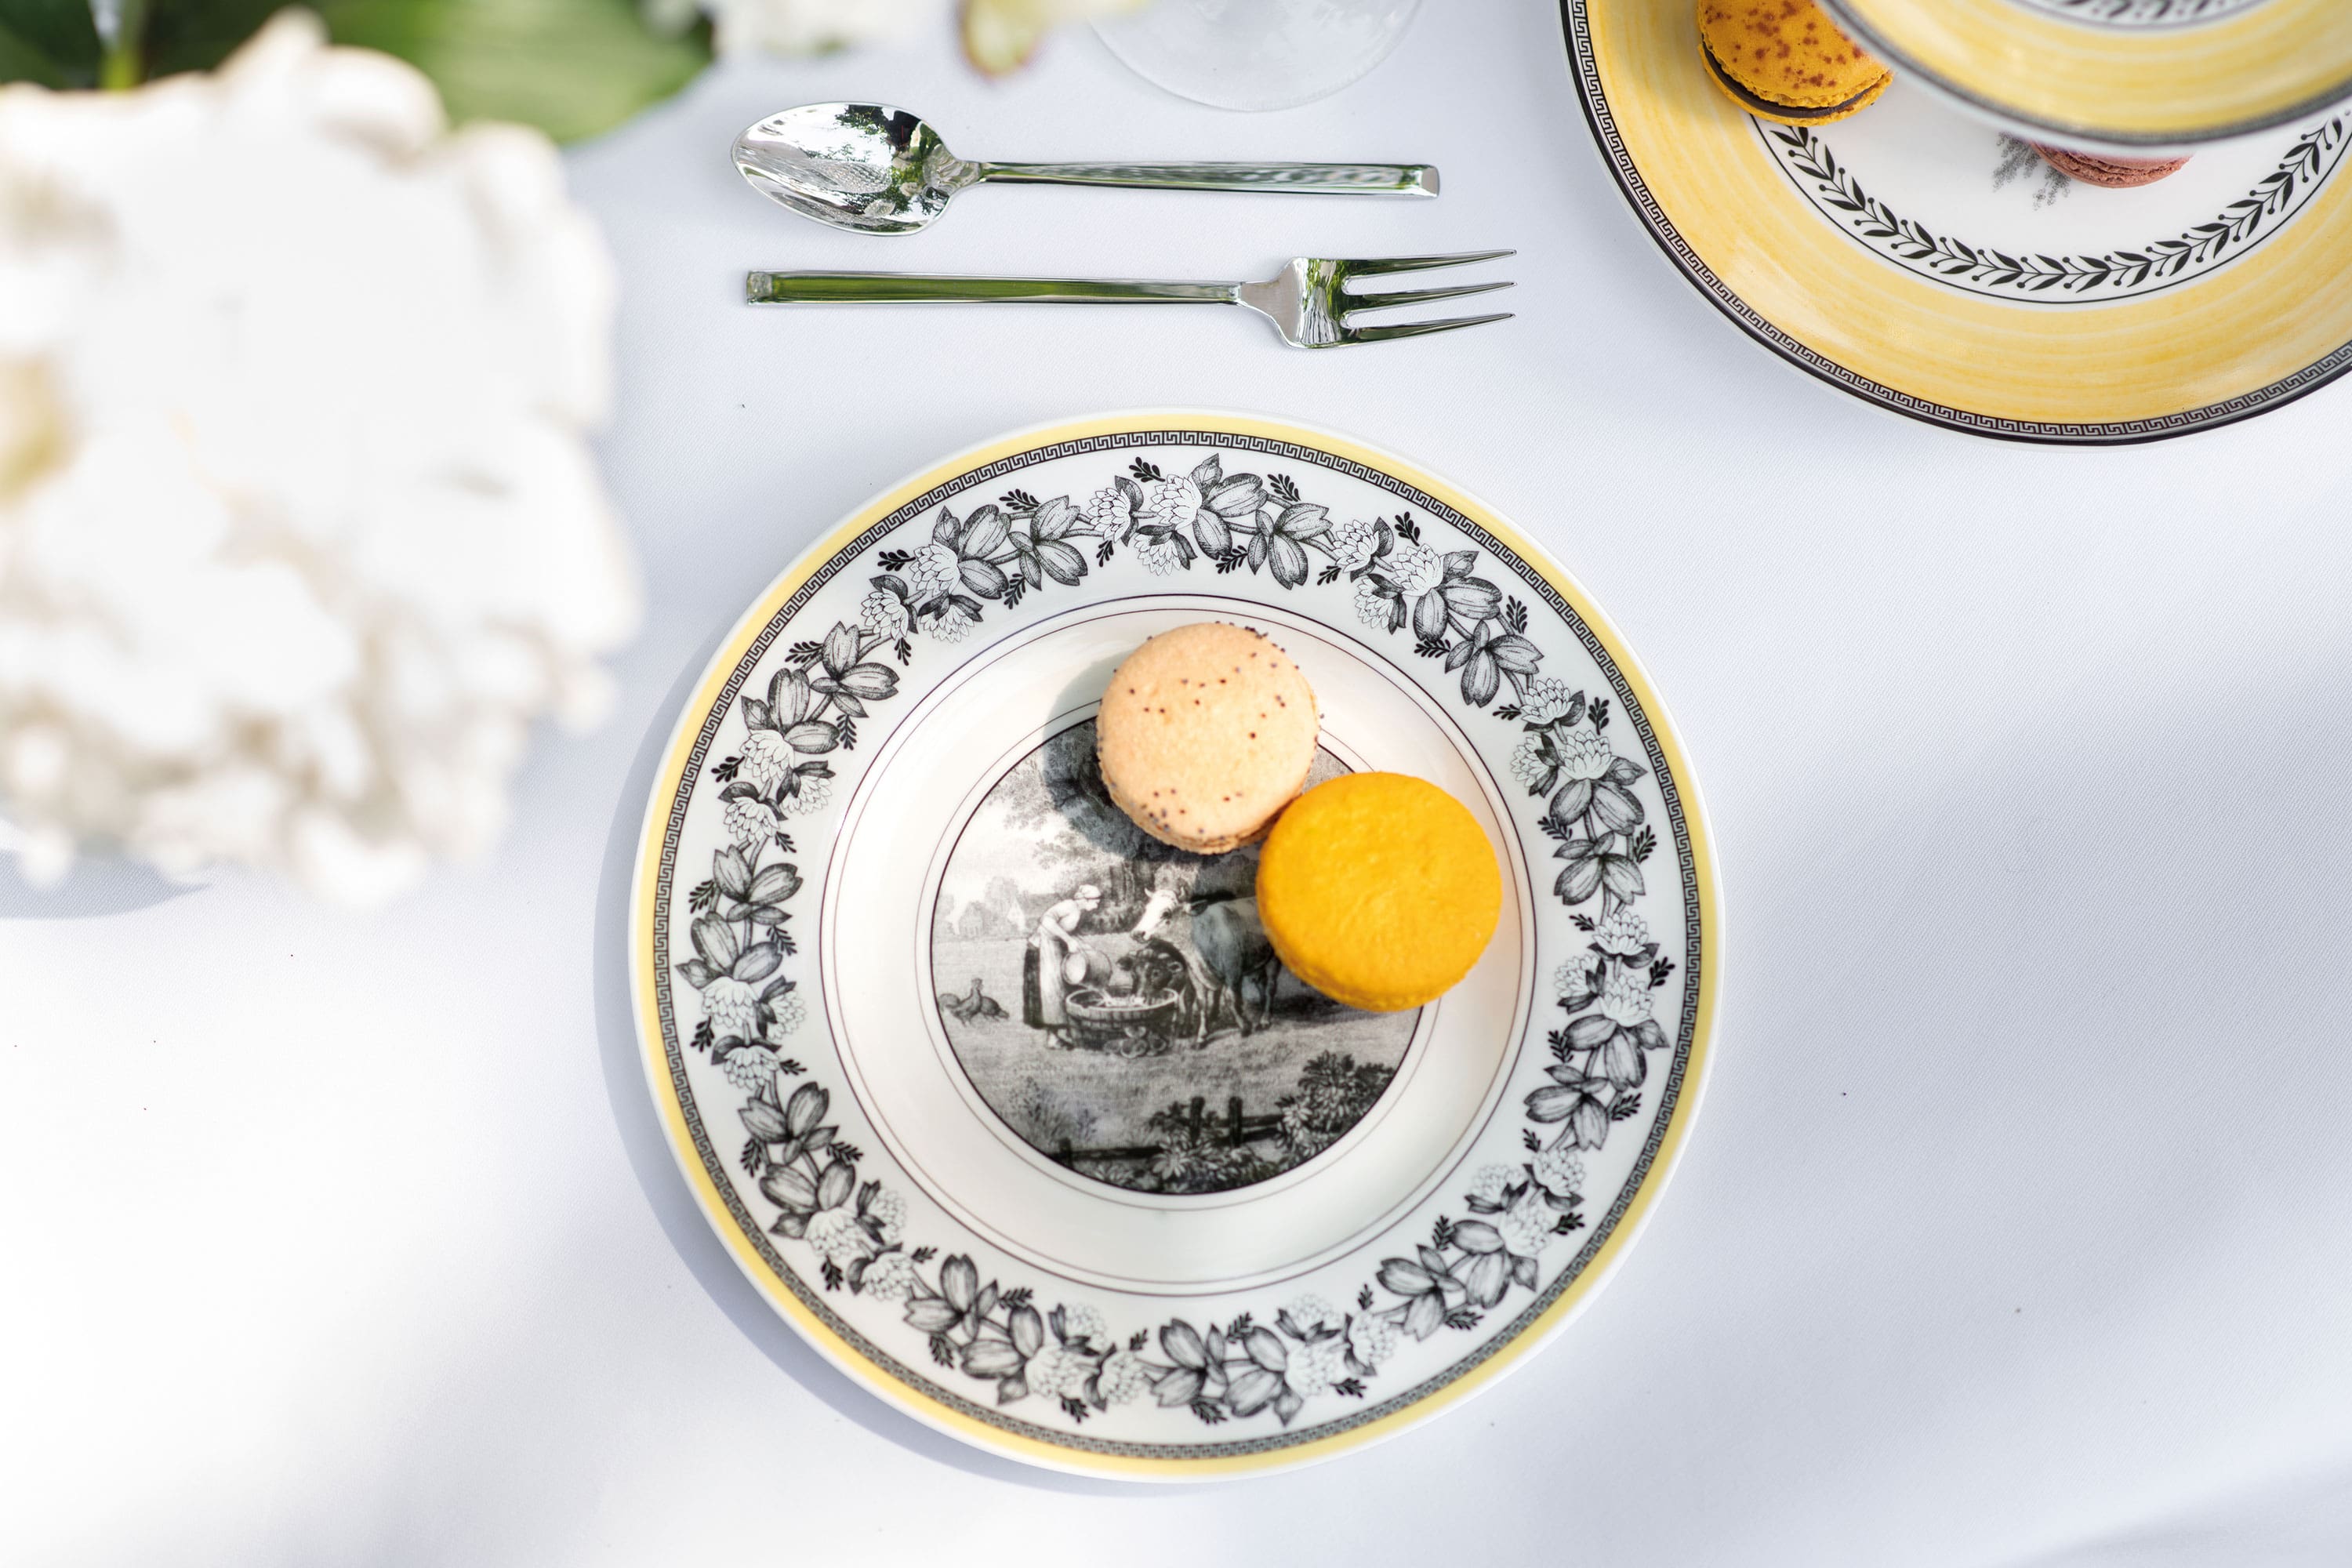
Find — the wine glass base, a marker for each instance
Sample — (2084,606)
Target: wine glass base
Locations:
(1256,54)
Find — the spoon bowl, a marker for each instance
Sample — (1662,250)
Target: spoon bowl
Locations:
(880,170)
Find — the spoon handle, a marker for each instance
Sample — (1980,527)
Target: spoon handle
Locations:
(908,287)
(1342,179)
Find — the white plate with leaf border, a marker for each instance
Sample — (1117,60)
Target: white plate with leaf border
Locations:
(1000,1104)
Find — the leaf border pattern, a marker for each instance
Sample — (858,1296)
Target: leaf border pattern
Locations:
(2126,15)
(2196,252)
(1600,118)
(1002,1336)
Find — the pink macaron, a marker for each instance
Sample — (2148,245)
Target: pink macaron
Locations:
(2114,173)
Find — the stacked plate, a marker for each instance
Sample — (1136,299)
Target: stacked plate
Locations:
(1924,256)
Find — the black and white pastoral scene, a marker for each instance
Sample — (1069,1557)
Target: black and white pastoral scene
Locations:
(1116,1004)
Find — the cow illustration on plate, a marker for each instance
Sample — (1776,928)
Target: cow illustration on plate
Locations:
(1116,1001)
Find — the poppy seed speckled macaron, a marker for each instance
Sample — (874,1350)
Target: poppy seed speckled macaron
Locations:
(1380,890)
(1785,60)
(1204,734)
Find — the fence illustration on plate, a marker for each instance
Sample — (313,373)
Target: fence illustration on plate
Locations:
(1310,1349)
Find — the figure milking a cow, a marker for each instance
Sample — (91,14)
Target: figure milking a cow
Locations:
(1140,991)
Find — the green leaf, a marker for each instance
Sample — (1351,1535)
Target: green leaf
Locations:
(51,42)
(572,68)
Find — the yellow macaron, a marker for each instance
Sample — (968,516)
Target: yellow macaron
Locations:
(1786,60)
(1379,889)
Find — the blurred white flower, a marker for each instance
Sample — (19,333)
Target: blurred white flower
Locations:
(1107,511)
(807,27)
(749,823)
(1561,1171)
(733,1008)
(814,795)
(789,1010)
(1530,764)
(838,1238)
(298,530)
(1584,753)
(1527,1225)
(1081,1321)
(952,625)
(766,759)
(1491,1182)
(749,1067)
(1161,556)
(1415,569)
(883,612)
(936,569)
(1311,1312)
(1625,998)
(1372,606)
(1574,977)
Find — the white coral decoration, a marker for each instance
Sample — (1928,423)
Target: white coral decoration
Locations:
(1083,1322)
(811,26)
(749,823)
(1625,998)
(733,1008)
(1105,512)
(1173,503)
(883,612)
(1491,1182)
(1527,1225)
(300,531)
(1161,555)
(1584,753)
(1124,1376)
(1415,569)
(1056,1370)
(1574,975)
(789,1010)
(1529,766)
(1545,699)
(892,1277)
(1560,1170)
(1623,933)
(764,761)
(952,625)
(1314,1368)
(1353,543)
(837,1237)
(886,1209)
(1372,1339)
(749,1067)
(1372,606)
(936,569)
(1310,1312)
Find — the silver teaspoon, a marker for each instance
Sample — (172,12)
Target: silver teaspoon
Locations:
(880,170)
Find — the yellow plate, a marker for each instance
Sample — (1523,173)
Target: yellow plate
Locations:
(1185,1219)
(2129,73)
(1930,264)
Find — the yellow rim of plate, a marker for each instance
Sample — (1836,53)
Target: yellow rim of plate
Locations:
(914,1401)
(2277,62)
(2271,325)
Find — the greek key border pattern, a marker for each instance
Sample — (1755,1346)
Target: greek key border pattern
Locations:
(1629,707)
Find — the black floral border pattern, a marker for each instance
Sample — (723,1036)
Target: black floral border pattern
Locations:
(2196,252)
(1600,118)
(801,1120)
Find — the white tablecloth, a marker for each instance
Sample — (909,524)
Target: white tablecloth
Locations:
(2013,1229)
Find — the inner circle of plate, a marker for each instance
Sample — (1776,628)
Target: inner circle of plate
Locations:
(792,849)
(1869,252)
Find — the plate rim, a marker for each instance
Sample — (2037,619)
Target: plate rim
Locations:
(676,1136)
(2083,134)
(1785,346)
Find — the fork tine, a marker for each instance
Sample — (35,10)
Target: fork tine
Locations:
(1416,329)
(1351,303)
(1417,263)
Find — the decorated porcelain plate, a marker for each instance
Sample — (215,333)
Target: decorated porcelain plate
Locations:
(1009,1110)
(1925,261)
(2125,73)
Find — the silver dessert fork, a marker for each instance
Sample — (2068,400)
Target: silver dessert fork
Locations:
(1307,301)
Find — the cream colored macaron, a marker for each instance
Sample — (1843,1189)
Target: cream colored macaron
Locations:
(1205,733)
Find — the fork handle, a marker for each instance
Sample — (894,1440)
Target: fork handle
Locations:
(1341,179)
(911,288)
